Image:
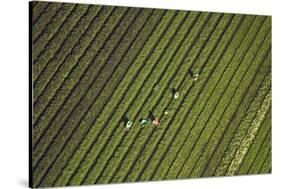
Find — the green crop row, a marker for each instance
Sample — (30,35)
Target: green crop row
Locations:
(38,10)
(96,67)
(266,164)
(106,51)
(58,33)
(230,114)
(67,86)
(263,154)
(209,128)
(210,37)
(189,102)
(231,127)
(179,117)
(153,58)
(146,104)
(90,94)
(63,51)
(213,112)
(79,131)
(166,57)
(45,19)
(54,28)
(228,135)
(256,146)
(243,127)
(183,31)
(179,68)
(74,161)
(109,87)
(250,136)
(60,74)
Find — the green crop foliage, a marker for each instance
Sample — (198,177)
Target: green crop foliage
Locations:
(95,67)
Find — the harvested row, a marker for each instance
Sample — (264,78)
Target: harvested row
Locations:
(79,131)
(123,84)
(263,133)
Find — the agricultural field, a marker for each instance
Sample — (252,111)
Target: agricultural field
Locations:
(206,77)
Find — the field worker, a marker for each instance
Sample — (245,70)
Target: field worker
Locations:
(176,95)
(195,76)
(143,122)
(128,125)
(156,87)
(156,122)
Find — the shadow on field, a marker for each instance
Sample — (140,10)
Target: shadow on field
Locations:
(125,120)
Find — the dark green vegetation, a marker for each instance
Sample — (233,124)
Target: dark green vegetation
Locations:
(96,66)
